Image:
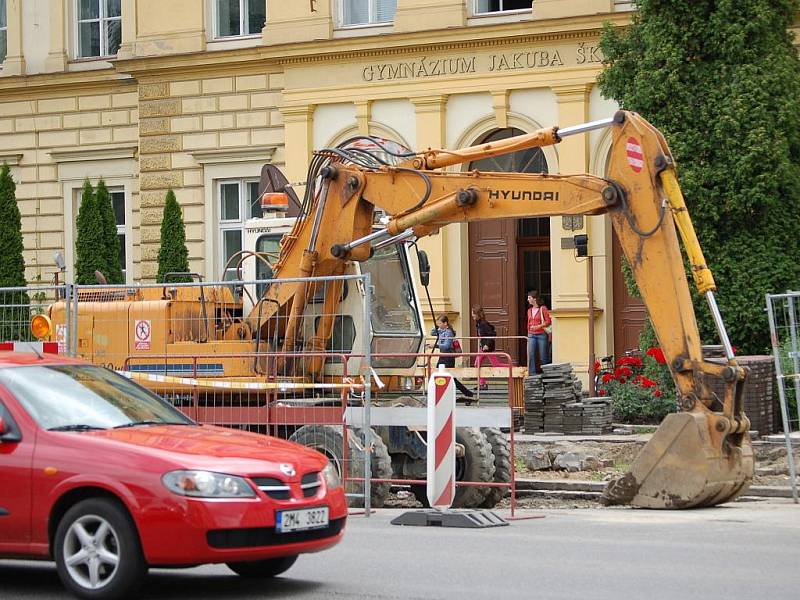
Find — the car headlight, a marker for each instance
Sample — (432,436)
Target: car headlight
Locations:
(331,476)
(205,484)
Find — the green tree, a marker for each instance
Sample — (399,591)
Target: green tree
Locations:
(721,78)
(90,245)
(173,257)
(111,248)
(14,305)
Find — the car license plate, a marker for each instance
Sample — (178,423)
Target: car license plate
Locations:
(298,520)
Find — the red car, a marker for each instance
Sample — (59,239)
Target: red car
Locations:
(107,479)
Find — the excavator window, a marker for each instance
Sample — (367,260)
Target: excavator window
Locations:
(393,306)
(395,321)
(343,335)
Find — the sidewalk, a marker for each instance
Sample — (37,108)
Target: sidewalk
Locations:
(546,437)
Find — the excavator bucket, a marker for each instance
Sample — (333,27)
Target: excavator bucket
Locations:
(682,466)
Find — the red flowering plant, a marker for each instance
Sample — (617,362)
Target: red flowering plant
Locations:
(641,389)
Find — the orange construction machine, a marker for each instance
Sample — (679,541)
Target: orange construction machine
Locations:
(698,457)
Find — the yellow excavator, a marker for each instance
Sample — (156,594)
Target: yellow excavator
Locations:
(701,456)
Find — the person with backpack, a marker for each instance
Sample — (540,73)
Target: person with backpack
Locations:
(448,347)
(486,343)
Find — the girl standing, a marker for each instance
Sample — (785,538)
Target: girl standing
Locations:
(538,321)
(447,351)
(486,342)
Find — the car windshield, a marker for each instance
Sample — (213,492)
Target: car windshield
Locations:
(84,397)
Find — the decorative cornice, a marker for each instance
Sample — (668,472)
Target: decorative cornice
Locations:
(389,44)
(433,103)
(86,153)
(54,84)
(424,48)
(11,159)
(217,157)
(298,112)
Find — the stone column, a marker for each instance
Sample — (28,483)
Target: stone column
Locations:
(444,249)
(570,294)
(156,176)
(56,60)
(15,58)
(128,47)
(417,15)
(298,127)
(363,115)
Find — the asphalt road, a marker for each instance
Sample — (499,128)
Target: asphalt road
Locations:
(745,550)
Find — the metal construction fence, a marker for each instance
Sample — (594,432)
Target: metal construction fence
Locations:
(783,311)
(347,378)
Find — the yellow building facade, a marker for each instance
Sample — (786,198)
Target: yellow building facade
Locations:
(196,95)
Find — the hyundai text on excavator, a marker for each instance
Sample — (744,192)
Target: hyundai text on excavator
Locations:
(701,456)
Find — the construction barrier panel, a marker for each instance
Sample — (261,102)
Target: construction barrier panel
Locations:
(351,384)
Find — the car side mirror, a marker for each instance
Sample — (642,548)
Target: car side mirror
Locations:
(424,268)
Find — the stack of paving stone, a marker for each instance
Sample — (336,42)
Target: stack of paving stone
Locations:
(573,418)
(533,390)
(591,416)
(597,417)
(556,386)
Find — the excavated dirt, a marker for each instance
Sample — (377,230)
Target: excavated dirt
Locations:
(771,470)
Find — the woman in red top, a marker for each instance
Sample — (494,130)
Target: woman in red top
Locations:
(538,319)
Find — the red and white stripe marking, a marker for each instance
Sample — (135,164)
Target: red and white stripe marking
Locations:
(40,347)
(635,155)
(441,440)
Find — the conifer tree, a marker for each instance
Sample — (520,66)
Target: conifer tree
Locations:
(14,306)
(105,209)
(721,78)
(89,244)
(173,256)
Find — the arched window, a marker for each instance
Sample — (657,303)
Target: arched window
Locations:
(533,235)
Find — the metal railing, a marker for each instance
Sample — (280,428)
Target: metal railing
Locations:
(783,311)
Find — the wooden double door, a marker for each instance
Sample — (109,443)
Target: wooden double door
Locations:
(509,257)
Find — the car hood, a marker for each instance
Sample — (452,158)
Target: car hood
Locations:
(214,448)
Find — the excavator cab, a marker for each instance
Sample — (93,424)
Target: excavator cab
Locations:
(395,323)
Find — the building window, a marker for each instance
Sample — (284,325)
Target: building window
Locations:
(237,201)
(494,6)
(3,31)
(118,202)
(239,17)
(99,27)
(367,12)
(117,194)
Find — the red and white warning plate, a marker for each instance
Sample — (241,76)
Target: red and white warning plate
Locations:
(635,156)
(40,347)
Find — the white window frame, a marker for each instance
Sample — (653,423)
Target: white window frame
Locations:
(372,11)
(125,229)
(122,230)
(225,225)
(103,20)
(244,15)
(494,13)
(4,28)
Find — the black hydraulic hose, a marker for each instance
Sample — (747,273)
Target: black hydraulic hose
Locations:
(430,303)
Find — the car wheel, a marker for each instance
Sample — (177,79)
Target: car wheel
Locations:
(269,567)
(97,551)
